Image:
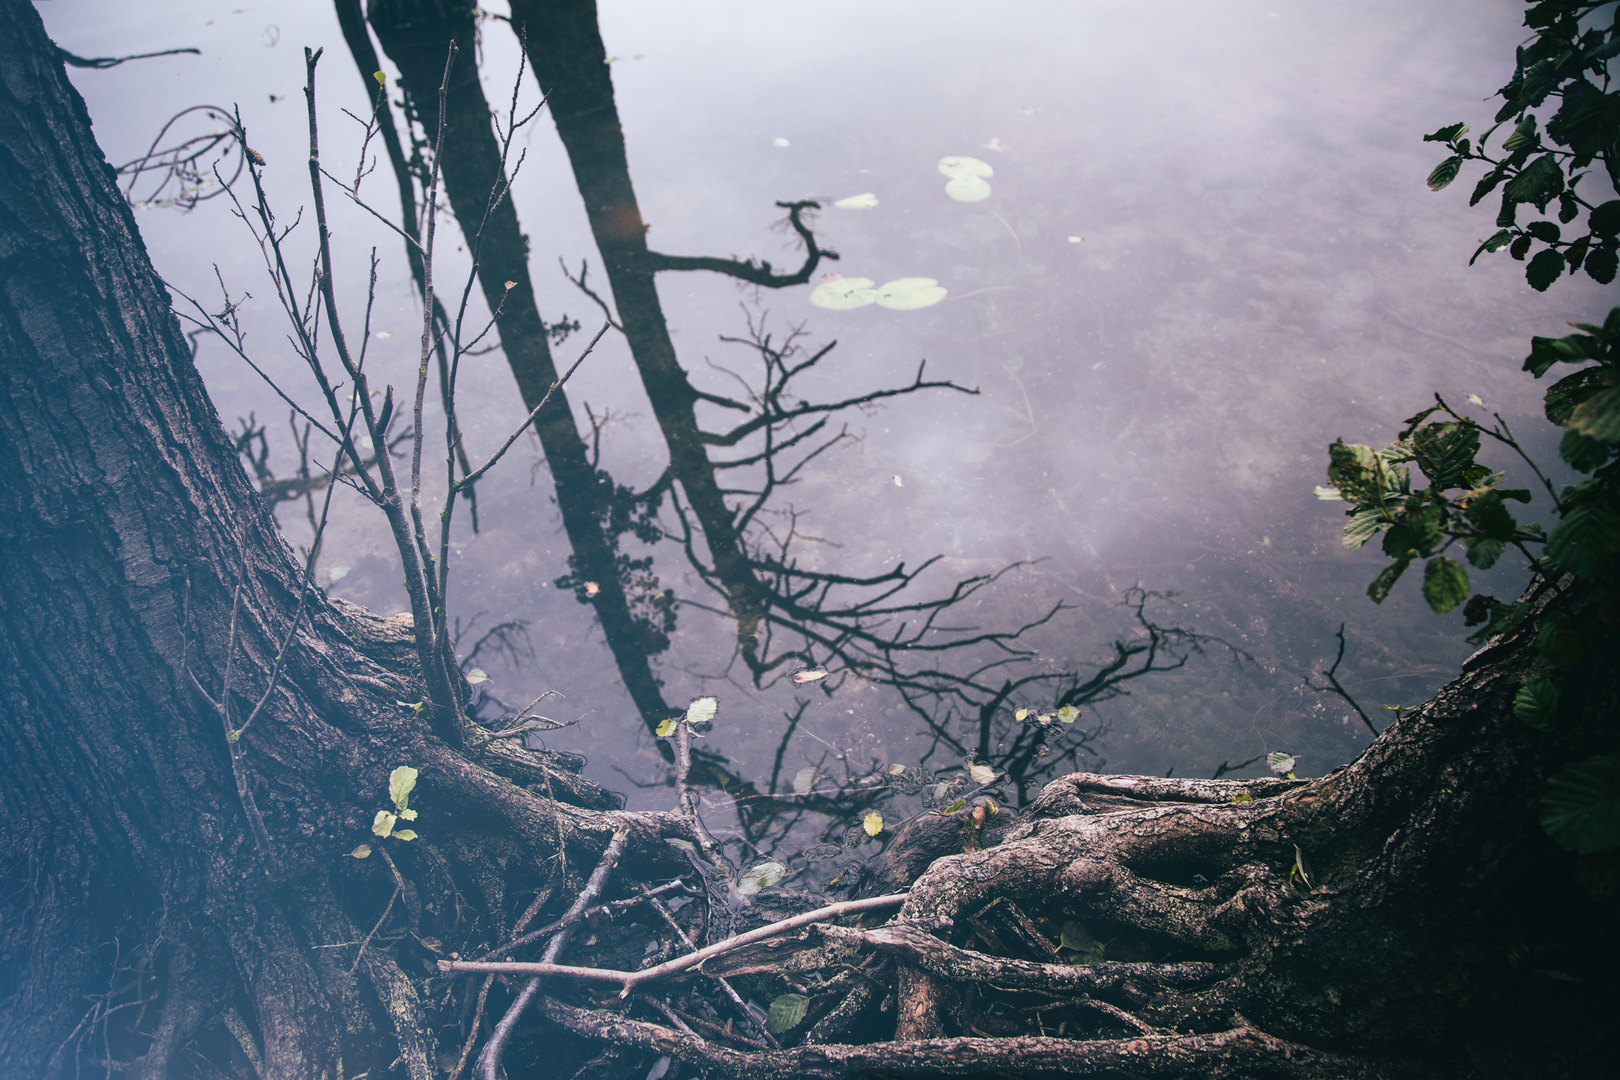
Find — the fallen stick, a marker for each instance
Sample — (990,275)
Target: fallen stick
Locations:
(631,979)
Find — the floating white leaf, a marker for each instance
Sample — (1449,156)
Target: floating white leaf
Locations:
(804,781)
(780,142)
(337,573)
(702,710)
(809,675)
(760,877)
(477,675)
(910,293)
(967,176)
(967,188)
(864,201)
(1282,764)
(982,774)
(842,294)
(897,770)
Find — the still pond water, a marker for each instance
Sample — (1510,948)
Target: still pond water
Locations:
(1206,250)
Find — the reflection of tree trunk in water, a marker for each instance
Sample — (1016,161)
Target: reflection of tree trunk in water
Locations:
(415,34)
(566,51)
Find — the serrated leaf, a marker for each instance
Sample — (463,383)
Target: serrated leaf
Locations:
(1559,642)
(1586,541)
(872,823)
(360,852)
(1581,807)
(1600,265)
(1486,185)
(1544,269)
(1385,581)
(1363,526)
(383,823)
(1329,494)
(401,782)
(982,774)
(1483,553)
(1583,453)
(1445,172)
(1605,218)
(701,711)
(407,815)
(1445,584)
(786,1012)
(1598,417)
(762,876)
(1536,704)
(1280,763)
(1565,394)
(404,834)
(1447,133)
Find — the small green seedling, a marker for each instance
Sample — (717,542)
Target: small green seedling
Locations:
(401,782)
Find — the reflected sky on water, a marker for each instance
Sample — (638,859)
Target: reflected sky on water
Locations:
(1208,250)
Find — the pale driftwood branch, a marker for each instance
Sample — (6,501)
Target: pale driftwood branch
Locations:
(631,979)
(1240,1051)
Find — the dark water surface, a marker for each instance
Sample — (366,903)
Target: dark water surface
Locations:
(1207,251)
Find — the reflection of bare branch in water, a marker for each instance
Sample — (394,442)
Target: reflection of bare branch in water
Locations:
(178,173)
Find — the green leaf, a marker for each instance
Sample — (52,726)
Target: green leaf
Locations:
(1536,704)
(360,852)
(401,782)
(1447,133)
(1537,182)
(1361,474)
(1483,553)
(1076,938)
(1486,185)
(1586,541)
(786,1013)
(1583,452)
(1445,451)
(1568,208)
(1581,807)
(1544,269)
(954,807)
(1601,265)
(677,842)
(762,876)
(1544,231)
(1605,218)
(1598,417)
(381,77)
(1363,526)
(1499,618)
(1523,135)
(404,834)
(1497,242)
(1068,714)
(1490,516)
(1385,581)
(1559,642)
(1445,584)
(383,823)
(1445,172)
(1570,391)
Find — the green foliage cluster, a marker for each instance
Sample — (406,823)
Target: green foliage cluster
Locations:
(1465,507)
(1566,62)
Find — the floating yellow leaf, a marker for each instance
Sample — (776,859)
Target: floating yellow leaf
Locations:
(667,728)
(1021,715)
(872,823)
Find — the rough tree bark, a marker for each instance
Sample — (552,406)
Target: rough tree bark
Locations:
(132,544)
(1440,932)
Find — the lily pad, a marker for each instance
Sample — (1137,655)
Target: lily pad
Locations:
(967,178)
(910,293)
(844,294)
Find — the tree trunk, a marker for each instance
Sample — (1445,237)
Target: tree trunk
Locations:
(143,581)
